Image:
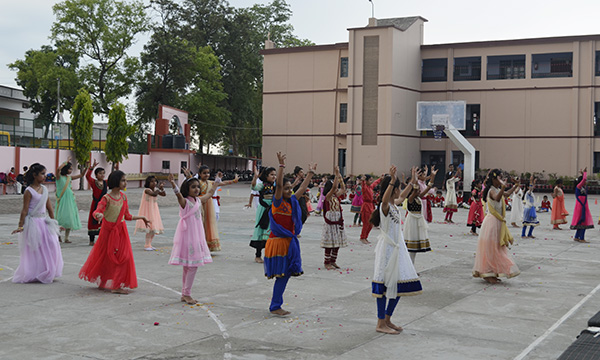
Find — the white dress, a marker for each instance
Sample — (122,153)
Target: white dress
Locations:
(392,261)
(516,212)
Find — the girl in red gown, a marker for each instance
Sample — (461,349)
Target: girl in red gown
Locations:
(99,189)
(110,263)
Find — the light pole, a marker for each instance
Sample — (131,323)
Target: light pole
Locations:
(372,8)
(57,111)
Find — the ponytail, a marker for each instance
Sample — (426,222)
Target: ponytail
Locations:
(33,171)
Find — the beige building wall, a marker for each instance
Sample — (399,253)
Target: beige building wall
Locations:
(527,124)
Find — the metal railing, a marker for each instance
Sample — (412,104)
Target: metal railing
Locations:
(33,133)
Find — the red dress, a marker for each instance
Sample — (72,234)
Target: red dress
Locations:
(97,194)
(110,263)
(476,214)
(367,208)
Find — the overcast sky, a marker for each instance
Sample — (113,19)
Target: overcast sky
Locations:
(25,24)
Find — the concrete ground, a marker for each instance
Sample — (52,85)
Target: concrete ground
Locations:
(533,316)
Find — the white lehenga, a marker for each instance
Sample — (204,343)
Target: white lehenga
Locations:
(392,261)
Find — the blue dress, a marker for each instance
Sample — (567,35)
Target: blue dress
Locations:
(529,214)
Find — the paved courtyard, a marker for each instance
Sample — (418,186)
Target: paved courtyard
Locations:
(533,316)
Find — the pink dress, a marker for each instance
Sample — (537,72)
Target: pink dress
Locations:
(582,218)
(41,257)
(189,244)
(492,259)
(149,209)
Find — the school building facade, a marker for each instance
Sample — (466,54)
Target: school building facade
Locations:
(531,103)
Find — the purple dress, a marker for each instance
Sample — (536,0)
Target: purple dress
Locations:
(41,257)
(189,244)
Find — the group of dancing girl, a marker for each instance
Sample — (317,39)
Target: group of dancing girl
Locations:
(282,206)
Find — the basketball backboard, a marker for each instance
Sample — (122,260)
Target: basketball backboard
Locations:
(451,114)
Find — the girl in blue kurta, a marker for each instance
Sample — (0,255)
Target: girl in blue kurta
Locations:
(282,252)
(529,214)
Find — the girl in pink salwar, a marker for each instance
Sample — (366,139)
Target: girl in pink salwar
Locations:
(190,249)
(40,255)
(582,218)
(492,259)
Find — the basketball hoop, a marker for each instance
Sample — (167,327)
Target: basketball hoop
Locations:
(438,131)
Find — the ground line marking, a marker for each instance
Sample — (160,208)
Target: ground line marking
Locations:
(534,344)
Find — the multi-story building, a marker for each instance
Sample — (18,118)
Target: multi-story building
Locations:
(531,103)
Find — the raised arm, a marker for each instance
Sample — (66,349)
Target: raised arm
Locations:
(81,174)
(180,198)
(584,179)
(336,183)
(311,172)
(254,177)
(430,183)
(59,168)
(408,188)
(229,182)
(279,181)
(514,187)
(387,195)
(342,190)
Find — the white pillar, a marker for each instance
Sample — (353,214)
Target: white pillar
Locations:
(469,151)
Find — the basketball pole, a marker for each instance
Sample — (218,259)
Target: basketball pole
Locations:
(469,152)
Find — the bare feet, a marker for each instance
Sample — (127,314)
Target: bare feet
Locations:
(120,291)
(515,225)
(531,237)
(556,228)
(258,260)
(391,325)
(91,243)
(383,328)
(581,240)
(365,241)
(67,241)
(329,267)
(472,233)
(280,312)
(188,300)
(335,266)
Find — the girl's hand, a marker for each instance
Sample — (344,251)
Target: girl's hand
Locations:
(281,158)
(255,170)
(17,231)
(99,217)
(161,186)
(236,179)
(95,163)
(393,170)
(313,167)
(146,221)
(433,171)
(215,185)
(337,171)
(171,179)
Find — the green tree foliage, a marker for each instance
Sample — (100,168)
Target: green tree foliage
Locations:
(116,136)
(82,123)
(37,75)
(236,36)
(102,31)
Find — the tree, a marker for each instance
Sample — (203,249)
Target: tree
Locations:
(116,135)
(82,124)
(102,31)
(38,76)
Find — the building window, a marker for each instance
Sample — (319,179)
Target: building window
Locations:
(166,165)
(434,70)
(597,63)
(183,165)
(342,161)
(344,67)
(506,67)
(596,119)
(552,65)
(472,120)
(467,68)
(343,113)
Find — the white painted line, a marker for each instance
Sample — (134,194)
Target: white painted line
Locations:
(222,328)
(9,268)
(534,344)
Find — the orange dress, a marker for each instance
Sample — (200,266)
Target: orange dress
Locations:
(279,260)
(559,212)
(209,219)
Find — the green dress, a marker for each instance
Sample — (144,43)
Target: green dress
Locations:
(260,236)
(67,213)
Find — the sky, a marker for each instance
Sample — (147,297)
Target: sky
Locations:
(25,24)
